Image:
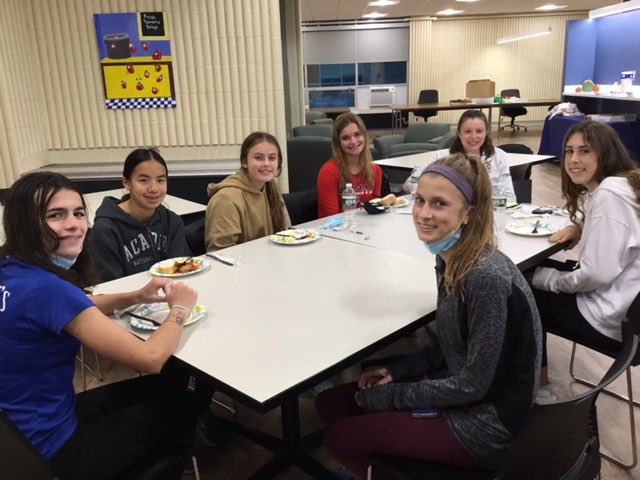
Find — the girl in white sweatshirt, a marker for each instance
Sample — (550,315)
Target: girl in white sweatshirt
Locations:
(602,187)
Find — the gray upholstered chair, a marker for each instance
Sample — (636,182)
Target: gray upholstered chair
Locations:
(420,137)
(317,118)
(305,157)
(313,131)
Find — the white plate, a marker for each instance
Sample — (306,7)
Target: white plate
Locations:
(526,227)
(200,262)
(158,312)
(294,236)
(401,202)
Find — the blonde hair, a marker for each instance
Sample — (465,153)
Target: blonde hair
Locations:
(365,160)
(477,235)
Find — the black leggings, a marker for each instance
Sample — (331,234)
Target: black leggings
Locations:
(121,424)
(560,315)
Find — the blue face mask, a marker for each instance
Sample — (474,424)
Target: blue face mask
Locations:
(63,262)
(444,244)
(448,242)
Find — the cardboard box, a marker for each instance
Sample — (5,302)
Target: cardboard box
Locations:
(481,89)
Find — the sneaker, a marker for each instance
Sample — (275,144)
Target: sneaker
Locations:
(321,387)
(544,395)
(212,432)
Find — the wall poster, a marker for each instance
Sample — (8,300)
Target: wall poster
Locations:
(135,58)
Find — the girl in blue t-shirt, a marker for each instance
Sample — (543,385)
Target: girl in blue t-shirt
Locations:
(45,314)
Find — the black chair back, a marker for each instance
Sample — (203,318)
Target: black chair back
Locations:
(194,232)
(305,157)
(302,205)
(19,460)
(427,96)
(519,172)
(513,112)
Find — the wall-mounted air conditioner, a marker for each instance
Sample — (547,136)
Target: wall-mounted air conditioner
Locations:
(381,96)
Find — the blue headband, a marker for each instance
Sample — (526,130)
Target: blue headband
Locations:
(455,178)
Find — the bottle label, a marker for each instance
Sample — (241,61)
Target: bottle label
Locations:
(349,203)
(499,203)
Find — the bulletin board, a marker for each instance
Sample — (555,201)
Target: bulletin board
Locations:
(135,60)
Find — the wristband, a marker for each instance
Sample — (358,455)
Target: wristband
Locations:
(180,320)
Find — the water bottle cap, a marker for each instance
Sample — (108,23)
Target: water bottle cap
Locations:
(348,185)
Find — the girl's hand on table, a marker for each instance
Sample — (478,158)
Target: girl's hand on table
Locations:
(569,234)
(376,376)
(149,293)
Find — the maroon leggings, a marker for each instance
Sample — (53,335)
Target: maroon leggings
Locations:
(352,435)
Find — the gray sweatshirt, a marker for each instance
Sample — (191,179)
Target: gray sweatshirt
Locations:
(484,371)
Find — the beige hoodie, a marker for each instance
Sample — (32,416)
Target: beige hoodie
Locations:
(238,212)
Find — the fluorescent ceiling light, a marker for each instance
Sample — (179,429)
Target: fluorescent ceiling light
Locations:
(383,3)
(374,15)
(613,9)
(549,7)
(449,11)
(522,36)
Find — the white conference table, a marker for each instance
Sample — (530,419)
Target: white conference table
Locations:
(408,162)
(289,317)
(176,204)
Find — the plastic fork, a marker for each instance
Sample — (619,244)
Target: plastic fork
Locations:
(535,227)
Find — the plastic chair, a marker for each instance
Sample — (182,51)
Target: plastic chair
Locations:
(305,157)
(19,460)
(427,96)
(512,112)
(634,310)
(302,206)
(194,232)
(313,131)
(420,137)
(520,172)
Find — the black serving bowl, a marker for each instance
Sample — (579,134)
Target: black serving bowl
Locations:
(373,208)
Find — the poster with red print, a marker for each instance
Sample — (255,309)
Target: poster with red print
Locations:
(135,59)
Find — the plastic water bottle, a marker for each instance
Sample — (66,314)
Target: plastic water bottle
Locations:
(415,177)
(349,207)
(499,206)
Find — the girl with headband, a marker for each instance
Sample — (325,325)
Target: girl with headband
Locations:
(478,382)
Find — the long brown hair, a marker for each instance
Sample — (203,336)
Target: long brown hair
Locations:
(477,236)
(28,236)
(365,160)
(613,160)
(486,148)
(276,205)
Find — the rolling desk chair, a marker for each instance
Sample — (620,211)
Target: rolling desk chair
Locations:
(512,112)
(427,96)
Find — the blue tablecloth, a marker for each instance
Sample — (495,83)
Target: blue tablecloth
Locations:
(556,127)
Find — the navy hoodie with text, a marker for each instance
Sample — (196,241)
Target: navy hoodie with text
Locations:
(123,245)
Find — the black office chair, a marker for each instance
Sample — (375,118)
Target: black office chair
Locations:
(305,157)
(302,205)
(194,232)
(427,96)
(634,310)
(512,112)
(559,439)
